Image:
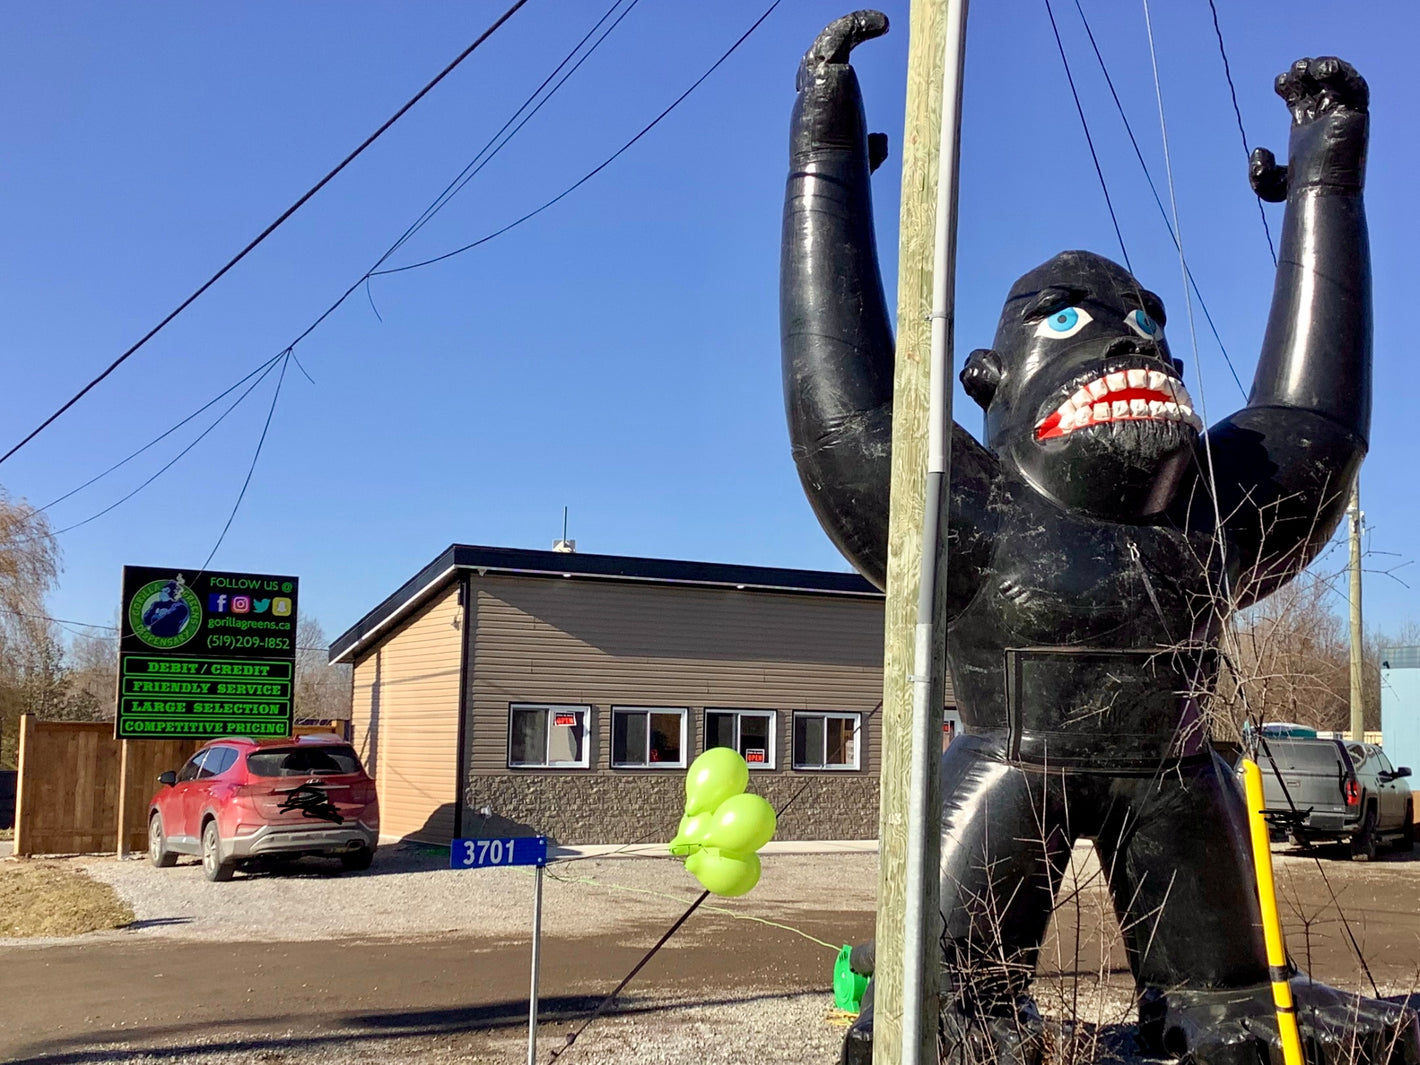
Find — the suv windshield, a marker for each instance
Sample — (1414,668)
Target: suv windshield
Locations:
(303,762)
(1314,756)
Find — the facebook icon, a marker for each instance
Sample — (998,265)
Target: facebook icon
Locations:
(216,603)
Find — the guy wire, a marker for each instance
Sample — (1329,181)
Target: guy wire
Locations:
(1060,45)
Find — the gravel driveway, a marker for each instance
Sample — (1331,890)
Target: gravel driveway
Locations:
(410,891)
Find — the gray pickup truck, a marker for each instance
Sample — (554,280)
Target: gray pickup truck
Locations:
(1339,791)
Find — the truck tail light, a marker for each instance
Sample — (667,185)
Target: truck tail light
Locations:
(1353,793)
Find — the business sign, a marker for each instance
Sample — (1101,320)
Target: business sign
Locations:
(209,655)
(488,853)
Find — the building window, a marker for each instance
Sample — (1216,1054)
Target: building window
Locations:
(751,732)
(648,737)
(826,741)
(547,736)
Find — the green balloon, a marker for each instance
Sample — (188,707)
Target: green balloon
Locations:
(713,777)
(690,835)
(724,873)
(742,823)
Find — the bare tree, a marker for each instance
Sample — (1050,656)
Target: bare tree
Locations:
(1292,648)
(322,690)
(92,666)
(29,655)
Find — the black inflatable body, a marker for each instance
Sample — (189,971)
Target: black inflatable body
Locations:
(1097,542)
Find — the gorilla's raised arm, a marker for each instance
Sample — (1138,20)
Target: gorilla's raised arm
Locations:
(1285,463)
(835,335)
(835,331)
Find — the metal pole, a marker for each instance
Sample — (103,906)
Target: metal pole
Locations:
(536,963)
(1358,718)
(922,930)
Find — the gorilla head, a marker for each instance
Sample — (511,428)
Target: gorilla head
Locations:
(1081,395)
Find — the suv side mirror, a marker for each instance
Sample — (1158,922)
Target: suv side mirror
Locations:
(167,779)
(1402,771)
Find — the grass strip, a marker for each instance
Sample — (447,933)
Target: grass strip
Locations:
(53,899)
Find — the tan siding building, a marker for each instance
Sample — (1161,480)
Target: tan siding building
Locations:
(502,692)
(405,720)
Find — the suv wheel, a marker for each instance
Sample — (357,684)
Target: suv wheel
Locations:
(1363,843)
(213,867)
(1406,843)
(158,852)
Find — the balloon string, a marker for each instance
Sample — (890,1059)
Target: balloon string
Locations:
(672,930)
(677,898)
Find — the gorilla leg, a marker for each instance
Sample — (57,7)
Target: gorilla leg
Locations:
(1006,839)
(1005,843)
(1175,850)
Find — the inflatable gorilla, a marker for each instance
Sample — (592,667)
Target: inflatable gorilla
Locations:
(1098,541)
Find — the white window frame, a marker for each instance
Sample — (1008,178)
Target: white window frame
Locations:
(683,711)
(772,761)
(552,708)
(828,715)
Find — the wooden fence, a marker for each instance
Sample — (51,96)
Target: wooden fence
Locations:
(67,801)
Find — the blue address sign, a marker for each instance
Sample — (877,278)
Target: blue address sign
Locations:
(491,853)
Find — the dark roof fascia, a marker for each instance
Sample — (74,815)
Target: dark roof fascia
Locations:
(555,564)
(423,583)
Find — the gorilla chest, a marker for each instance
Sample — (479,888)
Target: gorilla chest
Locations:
(1059,580)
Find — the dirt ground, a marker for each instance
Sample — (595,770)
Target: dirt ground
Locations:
(725,989)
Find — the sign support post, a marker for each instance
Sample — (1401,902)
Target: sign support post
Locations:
(509,851)
(122,798)
(536,964)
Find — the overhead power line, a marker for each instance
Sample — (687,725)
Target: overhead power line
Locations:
(1237,112)
(266,366)
(270,228)
(1089,140)
(595,170)
(1158,200)
(481,159)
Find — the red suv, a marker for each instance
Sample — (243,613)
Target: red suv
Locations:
(239,799)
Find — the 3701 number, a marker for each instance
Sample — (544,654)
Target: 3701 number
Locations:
(487,852)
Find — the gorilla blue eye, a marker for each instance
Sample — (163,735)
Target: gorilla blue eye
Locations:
(1063,323)
(1145,326)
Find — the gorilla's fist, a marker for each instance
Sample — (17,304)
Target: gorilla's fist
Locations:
(1329,102)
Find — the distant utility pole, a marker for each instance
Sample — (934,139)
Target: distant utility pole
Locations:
(1358,718)
(908,962)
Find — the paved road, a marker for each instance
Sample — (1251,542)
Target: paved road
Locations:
(62,1003)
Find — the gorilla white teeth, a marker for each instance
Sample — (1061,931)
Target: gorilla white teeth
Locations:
(1135,394)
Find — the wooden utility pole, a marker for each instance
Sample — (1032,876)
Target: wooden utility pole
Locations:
(921,146)
(1358,718)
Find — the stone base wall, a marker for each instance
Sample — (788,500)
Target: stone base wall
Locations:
(646,808)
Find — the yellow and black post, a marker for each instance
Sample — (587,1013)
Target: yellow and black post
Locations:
(1271,923)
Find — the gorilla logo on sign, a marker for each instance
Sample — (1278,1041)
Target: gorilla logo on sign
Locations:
(1099,538)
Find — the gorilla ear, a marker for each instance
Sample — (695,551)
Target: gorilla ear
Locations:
(981,375)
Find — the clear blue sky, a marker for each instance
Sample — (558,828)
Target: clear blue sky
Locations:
(619,353)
